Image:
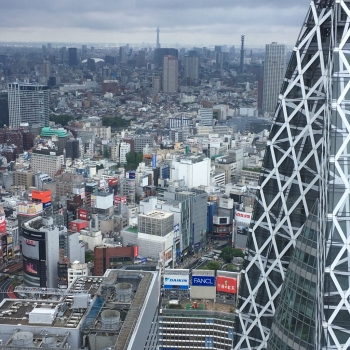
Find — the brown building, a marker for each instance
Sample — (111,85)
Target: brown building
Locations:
(106,257)
(23,178)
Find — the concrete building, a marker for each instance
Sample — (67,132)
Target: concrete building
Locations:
(55,322)
(40,250)
(194,170)
(124,149)
(274,69)
(28,103)
(23,178)
(170,74)
(77,269)
(206,116)
(191,69)
(156,222)
(141,141)
(46,162)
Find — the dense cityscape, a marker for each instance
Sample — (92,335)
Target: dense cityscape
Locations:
(177,197)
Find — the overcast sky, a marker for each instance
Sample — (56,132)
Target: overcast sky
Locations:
(186,22)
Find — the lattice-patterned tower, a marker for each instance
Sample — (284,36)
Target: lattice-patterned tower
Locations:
(307,161)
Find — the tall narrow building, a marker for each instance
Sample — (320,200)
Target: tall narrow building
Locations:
(158,44)
(28,103)
(274,70)
(170,74)
(295,286)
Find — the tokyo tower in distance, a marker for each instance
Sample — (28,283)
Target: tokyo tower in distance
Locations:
(295,287)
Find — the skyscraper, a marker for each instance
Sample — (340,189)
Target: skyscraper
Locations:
(295,286)
(274,69)
(170,74)
(28,104)
(157,44)
(191,69)
(72,56)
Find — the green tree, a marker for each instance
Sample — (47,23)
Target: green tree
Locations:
(115,122)
(231,268)
(227,254)
(89,256)
(238,253)
(62,119)
(133,159)
(213,265)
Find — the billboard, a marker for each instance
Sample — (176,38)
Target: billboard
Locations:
(176,279)
(136,251)
(215,142)
(46,205)
(113,181)
(2,224)
(205,281)
(31,267)
(176,232)
(30,208)
(82,214)
(130,175)
(42,196)
(154,160)
(119,199)
(242,217)
(93,201)
(30,248)
(226,284)
(77,225)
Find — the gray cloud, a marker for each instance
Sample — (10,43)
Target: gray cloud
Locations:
(182,21)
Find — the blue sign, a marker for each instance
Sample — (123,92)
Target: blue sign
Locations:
(206,281)
(154,160)
(197,245)
(46,205)
(143,260)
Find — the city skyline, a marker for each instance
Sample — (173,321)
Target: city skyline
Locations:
(188,23)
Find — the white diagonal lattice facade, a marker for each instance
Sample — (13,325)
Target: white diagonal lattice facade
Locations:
(307,159)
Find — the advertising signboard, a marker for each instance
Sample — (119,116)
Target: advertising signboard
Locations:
(176,279)
(136,251)
(130,175)
(226,284)
(113,181)
(242,217)
(93,201)
(154,160)
(176,232)
(46,205)
(82,214)
(205,281)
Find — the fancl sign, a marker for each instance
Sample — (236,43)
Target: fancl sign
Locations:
(206,281)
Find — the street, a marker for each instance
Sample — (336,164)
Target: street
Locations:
(4,286)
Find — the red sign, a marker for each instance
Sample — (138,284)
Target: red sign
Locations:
(82,214)
(226,284)
(43,196)
(112,182)
(136,251)
(30,242)
(77,225)
(118,199)
(243,215)
(2,224)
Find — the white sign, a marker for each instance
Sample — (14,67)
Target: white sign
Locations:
(176,280)
(243,217)
(215,142)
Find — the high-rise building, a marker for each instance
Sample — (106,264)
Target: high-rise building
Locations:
(72,56)
(170,74)
(4,109)
(274,69)
(28,103)
(158,44)
(206,116)
(191,69)
(46,69)
(295,278)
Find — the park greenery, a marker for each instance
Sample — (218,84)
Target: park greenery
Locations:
(212,265)
(228,253)
(115,122)
(62,119)
(133,159)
